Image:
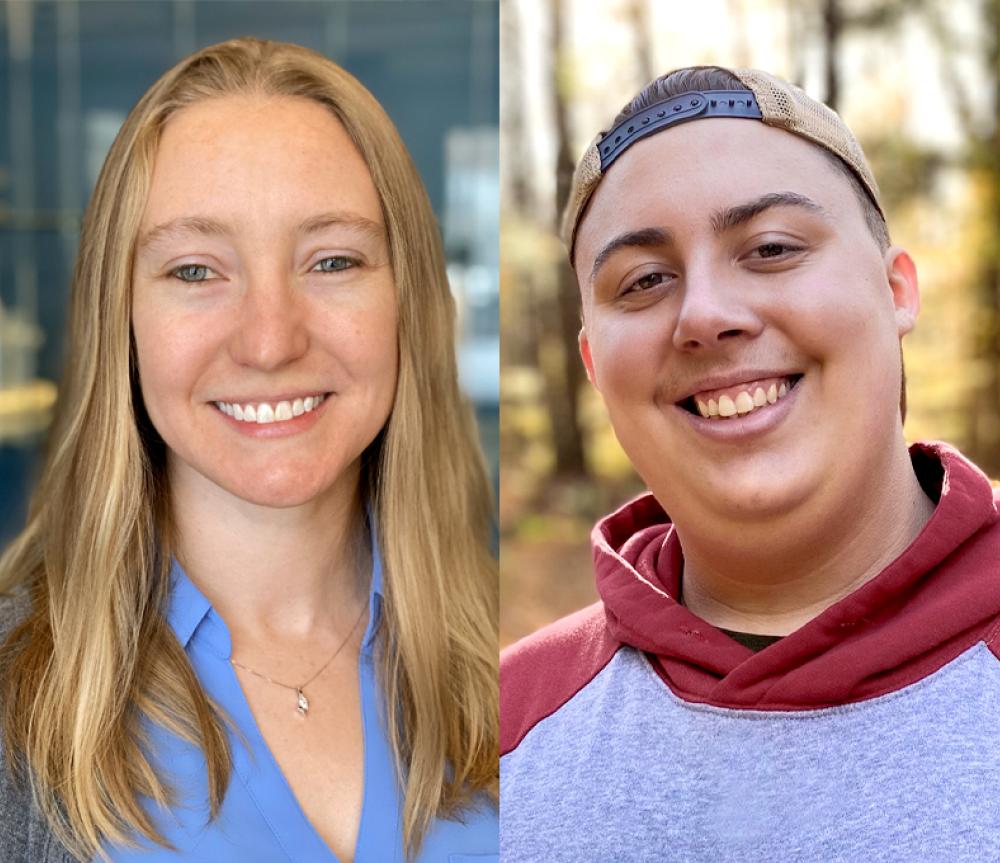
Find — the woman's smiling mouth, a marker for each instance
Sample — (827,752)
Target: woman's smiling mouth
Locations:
(264,412)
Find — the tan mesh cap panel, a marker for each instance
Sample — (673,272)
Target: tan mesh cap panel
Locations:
(585,179)
(788,107)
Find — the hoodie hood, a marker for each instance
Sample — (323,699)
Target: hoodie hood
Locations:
(939,597)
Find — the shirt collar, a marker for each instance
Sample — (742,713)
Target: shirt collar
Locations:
(375,595)
(190,614)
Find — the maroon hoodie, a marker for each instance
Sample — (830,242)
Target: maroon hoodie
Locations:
(930,604)
(634,730)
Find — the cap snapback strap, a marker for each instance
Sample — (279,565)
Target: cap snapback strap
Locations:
(693,105)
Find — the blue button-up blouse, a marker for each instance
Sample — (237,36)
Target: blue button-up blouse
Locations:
(260,820)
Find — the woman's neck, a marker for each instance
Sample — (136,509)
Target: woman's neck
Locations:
(294,572)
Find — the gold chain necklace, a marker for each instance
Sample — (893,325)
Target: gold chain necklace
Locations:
(303,703)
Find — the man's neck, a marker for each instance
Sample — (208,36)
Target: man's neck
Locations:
(772,578)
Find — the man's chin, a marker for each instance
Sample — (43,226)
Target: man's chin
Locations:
(757,493)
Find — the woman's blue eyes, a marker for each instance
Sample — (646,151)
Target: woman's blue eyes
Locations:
(190,272)
(338,263)
(199,272)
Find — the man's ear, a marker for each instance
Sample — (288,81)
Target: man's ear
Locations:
(902,275)
(588,361)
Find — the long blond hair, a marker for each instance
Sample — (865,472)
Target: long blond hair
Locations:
(95,654)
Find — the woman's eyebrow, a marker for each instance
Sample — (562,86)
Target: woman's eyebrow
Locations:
(176,227)
(354,221)
(210,227)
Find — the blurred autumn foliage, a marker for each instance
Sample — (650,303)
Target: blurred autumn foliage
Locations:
(919,83)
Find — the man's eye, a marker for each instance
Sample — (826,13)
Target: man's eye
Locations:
(335,264)
(645,283)
(775,250)
(191,272)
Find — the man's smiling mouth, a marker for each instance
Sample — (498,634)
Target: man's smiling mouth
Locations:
(740,399)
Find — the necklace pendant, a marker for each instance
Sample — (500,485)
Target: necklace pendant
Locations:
(303,705)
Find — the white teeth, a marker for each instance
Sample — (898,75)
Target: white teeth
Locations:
(264,413)
(745,402)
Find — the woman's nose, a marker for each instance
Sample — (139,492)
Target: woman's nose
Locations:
(272,328)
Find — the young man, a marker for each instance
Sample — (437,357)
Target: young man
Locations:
(795,653)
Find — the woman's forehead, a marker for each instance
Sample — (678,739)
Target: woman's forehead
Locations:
(266,156)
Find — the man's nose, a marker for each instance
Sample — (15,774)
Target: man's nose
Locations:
(272,322)
(715,308)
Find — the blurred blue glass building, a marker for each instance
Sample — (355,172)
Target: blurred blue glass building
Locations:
(70,71)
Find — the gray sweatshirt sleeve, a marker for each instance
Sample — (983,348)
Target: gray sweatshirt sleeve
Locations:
(25,836)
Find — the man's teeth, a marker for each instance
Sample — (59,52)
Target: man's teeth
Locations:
(745,402)
(263,413)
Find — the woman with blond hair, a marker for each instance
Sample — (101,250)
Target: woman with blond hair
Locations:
(252,616)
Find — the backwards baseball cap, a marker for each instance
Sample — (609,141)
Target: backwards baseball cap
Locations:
(766,98)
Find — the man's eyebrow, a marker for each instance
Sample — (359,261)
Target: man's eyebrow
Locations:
(643,238)
(209,227)
(722,221)
(725,220)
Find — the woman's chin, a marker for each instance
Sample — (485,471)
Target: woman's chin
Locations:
(278,489)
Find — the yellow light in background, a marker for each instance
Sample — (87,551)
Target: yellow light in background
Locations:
(26,409)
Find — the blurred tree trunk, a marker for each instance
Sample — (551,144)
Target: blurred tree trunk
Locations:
(515,161)
(564,312)
(739,34)
(838,22)
(637,13)
(832,28)
(519,345)
(982,160)
(985,449)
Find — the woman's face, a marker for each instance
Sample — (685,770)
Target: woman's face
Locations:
(264,308)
